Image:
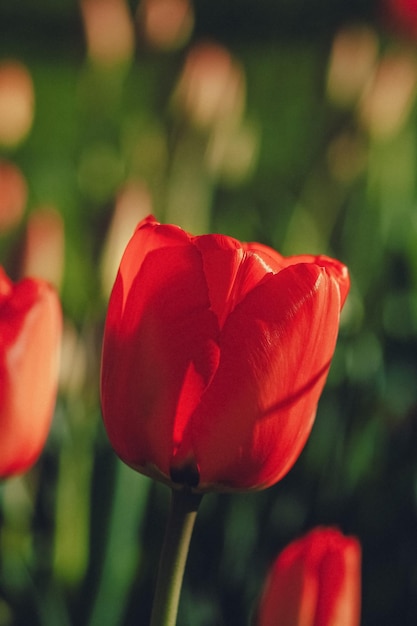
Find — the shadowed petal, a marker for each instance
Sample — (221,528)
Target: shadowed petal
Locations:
(164,355)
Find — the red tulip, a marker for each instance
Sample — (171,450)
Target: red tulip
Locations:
(315,581)
(30,331)
(214,357)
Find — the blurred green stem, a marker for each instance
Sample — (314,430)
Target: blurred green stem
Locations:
(183,512)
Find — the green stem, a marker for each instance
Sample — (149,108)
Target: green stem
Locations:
(183,512)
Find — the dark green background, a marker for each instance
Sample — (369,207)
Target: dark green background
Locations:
(359,468)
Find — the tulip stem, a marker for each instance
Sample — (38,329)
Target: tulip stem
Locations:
(183,512)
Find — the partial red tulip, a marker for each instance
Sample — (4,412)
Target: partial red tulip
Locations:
(30,334)
(315,581)
(215,353)
(401,15)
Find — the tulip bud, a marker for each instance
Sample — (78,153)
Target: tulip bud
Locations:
(30,333)
(215,353)
(315,581)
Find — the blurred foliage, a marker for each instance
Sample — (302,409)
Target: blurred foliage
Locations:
(280,157)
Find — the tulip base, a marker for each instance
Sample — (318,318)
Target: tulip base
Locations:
(180,524)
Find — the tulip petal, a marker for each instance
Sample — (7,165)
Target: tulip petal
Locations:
(149,235)
(276,348)
(270,257)
(339,600)
(290,591)
(230,272)
(278,262)
(160,354)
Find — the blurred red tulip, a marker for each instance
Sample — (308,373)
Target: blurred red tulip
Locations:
(315,581)
(13,195)
(214,357)
(401,15)
(30,333)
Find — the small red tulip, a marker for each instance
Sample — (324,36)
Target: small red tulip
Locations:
(30,333)
(214,356)
(315,581)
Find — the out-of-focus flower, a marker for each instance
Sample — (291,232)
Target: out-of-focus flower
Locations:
(400,16)
(352,60)
(16,102)
(109,31)
(43,254)
(165,24)
(30,334)
(315,581)
(211,88)
(133,203)
(13,195)
(388,99)
(215,354)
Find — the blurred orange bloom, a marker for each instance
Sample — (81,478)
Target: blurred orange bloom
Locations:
(17,101)
(211,87)
(165,24)
(109,31)
(13,195)
(352,60)
(388,100)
